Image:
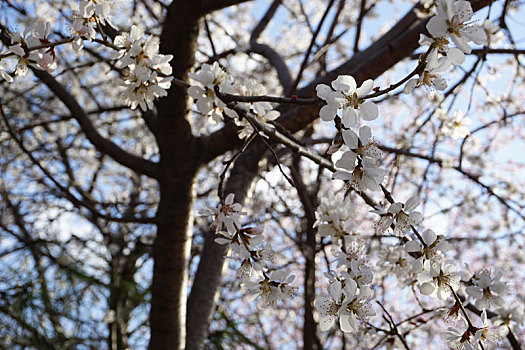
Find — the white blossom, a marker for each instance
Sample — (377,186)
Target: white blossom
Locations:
(334,218)
(226,215)
(362,145)
(456,127)
(46,61)
(431,76)
(23,57)
(94,9)
(344,302)
(145,71)
(511,314)
(271,288)
(332,307)
(436,280)
(208,77)
(365,175)
(487,289)
(459,340)
(452,20)
(23,47)
(432,250)
(84,28)
(356,266)
(489,333)
(359,306)
(395,259)
(262,110)
(143,94)
(471,337)
(349,98)
(402,215)
(3,74)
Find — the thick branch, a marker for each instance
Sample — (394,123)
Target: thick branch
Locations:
(102,144)
(398,43)
(214,5)
(283,73)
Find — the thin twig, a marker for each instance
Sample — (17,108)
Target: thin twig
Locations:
(228,163)
(394,326)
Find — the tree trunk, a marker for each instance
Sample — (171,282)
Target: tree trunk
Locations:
(170,272)
(179,163)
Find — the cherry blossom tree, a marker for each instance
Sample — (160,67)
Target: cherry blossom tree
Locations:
(261,174)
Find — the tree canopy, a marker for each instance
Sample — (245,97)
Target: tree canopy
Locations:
(270,174)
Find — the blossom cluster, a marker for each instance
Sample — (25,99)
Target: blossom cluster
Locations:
(335,219)
(470,337)
(486,289)
(247,244)
(451,24)
(262,110)
(86,16)
(349,291)
(271,288)
(420,261)
(401,215)
(144,71)
(438,277)
(28,50)
(212,78)
(456,127)
(419,258)
(345,301)
(359,163)
(207,79)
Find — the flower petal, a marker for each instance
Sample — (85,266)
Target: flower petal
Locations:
(344,83)
(346,323)
(327,113)
(351,139)
(365,88)
(342,175)
(456,56)
(412,203)
(349,117)
(323,91)
(427,288)
(369,111)
(437,26)
(347,161)
(326,322)
(365,134)
(429,237)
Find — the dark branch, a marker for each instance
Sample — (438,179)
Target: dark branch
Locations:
(102,144)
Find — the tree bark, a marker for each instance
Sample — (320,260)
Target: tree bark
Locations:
(171,254)
(179,163)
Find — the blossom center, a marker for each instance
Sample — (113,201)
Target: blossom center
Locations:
(353,101)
